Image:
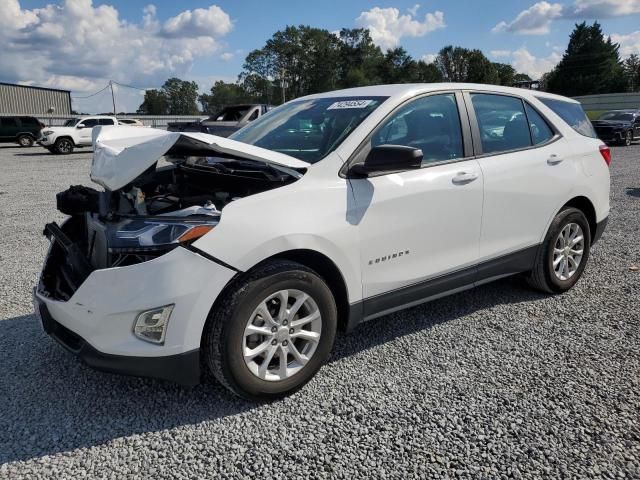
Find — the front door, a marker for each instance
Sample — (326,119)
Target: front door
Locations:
(85,133)
(419,229)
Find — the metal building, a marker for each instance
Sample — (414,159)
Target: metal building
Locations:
(23,99)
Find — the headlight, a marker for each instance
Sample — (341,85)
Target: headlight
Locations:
(47,132)
(153,234)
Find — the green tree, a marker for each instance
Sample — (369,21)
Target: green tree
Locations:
(428,73)
(506,74)
(223,94)
(359,58)
(181,96)
(591,64)
(155,103)
(632,72)
(457,64)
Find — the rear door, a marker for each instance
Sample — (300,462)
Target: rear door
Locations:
(419,229)
(9,128)
(527,173)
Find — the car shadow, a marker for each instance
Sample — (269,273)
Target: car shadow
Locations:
(51,403)
(633,191)
(45,152)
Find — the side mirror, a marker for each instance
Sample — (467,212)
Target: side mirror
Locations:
(80,125)
(387,159)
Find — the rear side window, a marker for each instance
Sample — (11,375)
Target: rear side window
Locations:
(28,121)
(540,130)
(502,122)
(573,114)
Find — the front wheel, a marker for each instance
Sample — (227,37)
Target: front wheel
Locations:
(563,255)
(272,331)
(63,146)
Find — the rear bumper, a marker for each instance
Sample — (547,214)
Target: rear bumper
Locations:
(183,368)
(600,227)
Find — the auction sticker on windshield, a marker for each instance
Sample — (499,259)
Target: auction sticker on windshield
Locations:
(349,104)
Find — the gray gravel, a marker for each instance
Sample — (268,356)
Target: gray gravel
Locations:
(499,382)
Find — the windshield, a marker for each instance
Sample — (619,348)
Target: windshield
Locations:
(625,117)
(71,122)
(308,129)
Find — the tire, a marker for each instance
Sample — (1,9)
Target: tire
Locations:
(25,141)
(63,146)
(628,138)
(225,341)
(544,275)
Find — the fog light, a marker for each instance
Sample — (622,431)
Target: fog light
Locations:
(151,325)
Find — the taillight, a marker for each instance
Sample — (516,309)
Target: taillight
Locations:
(606,154)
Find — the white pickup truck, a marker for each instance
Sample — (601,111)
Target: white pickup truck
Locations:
(76,132)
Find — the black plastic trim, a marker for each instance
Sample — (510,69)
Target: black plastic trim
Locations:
(465,278)
(600,227)
(183,368)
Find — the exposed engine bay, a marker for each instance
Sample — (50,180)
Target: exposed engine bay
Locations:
(163,208)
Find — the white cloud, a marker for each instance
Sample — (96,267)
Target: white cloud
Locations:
(533,21)
(629,43)
(387,26)
(536,19)
(525,62)
(604,8)
(414,10)
(200,22)
(226,56)
(79,46)
(429,57)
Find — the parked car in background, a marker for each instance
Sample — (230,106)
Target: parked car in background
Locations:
(245,255)
(618,126)
(130,122)
(20,129)
(229,120)
(76,132)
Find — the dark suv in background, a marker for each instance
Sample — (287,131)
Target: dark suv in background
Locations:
(21,130)
(618,126)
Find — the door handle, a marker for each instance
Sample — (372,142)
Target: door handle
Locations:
(554,159)
(462,178)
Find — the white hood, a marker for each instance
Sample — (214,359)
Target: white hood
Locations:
(121,154)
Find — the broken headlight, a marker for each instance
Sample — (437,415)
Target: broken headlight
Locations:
(156,234)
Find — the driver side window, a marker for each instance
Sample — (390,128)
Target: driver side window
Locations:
(90,122)
(431,124)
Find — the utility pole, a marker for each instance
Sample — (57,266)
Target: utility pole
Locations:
(113,98)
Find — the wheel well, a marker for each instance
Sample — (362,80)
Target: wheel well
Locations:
(328,270)
(67,137)
(585,206)
(27,134)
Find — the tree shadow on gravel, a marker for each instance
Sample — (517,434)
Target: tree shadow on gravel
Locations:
(51,403)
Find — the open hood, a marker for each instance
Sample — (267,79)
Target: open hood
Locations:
(121,154)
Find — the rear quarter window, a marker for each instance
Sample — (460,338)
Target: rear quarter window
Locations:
(572,114)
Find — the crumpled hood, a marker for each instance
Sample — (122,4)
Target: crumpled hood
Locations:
(121,154)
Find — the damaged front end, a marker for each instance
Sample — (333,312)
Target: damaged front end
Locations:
(159,209)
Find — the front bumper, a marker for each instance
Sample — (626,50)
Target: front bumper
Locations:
(183,368)
(96,323)
(45,141)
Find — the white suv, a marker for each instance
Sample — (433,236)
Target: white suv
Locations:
(76,132)
(244,256)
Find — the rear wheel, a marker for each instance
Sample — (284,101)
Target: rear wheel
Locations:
(25,140)
(63,146)
(628,138)
(272,332)
(563,255)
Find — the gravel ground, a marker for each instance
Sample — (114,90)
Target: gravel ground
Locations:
(498,382)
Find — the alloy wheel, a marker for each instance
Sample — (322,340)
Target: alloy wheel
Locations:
(627,139)
(568,251)
(281,335)
(64,146)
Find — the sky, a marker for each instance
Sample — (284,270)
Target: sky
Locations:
(80,45)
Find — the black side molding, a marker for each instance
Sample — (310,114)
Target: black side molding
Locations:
(600,227)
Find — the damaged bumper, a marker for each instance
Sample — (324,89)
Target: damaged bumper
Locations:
(97,322)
